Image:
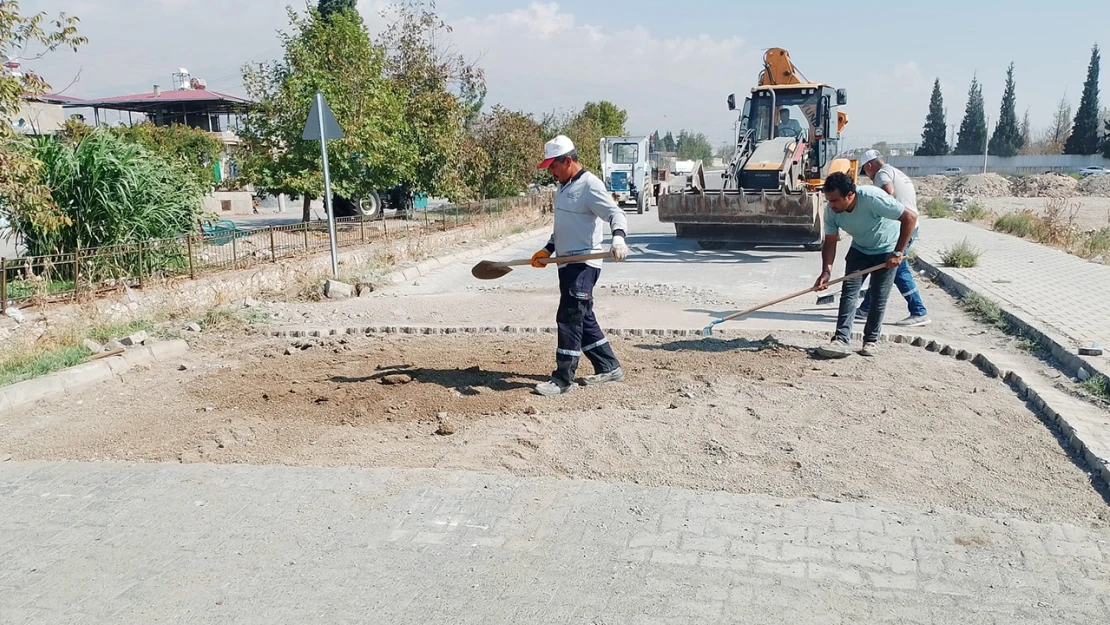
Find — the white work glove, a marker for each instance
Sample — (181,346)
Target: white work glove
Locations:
(618,249)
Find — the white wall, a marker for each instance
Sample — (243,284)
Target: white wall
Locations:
(1029,164)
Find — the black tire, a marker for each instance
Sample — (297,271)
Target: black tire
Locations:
(641,199)
(370,206)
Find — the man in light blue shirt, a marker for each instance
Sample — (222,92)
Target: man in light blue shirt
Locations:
(880,227)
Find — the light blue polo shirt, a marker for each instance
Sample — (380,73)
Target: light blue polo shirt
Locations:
(873,223)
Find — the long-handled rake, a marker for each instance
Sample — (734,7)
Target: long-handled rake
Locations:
(492,270)
(707,330)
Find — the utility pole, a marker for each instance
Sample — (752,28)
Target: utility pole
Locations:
(986,142)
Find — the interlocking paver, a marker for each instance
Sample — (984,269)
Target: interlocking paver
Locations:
(117,543)
(1065,293)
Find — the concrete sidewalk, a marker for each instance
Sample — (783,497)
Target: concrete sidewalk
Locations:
(1064,297)
(120,543)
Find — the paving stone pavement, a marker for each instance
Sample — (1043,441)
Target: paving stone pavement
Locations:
(1069,295)
(161,543)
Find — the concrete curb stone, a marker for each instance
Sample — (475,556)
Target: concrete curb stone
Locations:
(1084,426)
(29,392)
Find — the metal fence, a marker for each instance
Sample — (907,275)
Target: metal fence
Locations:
(95,271)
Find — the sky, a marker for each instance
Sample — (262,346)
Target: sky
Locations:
(670,68)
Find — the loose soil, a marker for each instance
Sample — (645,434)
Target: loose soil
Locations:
(737,415)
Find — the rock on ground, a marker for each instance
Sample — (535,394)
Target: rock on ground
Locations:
(334,289)
(931,186)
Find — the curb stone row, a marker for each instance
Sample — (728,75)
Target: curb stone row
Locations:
(69,381)
(1083,426)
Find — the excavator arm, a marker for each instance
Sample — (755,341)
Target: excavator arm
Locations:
(779,70)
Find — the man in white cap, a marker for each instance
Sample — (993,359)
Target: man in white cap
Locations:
(896,183)
(581,204)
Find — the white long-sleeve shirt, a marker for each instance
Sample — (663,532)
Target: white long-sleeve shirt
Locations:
(581,206)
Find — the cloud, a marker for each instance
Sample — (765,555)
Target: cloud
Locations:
(541,58)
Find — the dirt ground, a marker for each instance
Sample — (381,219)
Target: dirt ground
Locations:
(738,415)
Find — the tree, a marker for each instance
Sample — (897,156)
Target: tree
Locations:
(336,57)
(934,138)
(1060,130)
(328,8)
(513,142)
(432,79)
(610,118)
(1085,130)
(669,142)
(1106,140)
(22,194)
(1006,140)
(657,142)
(695,147)
(1027,145)
(973,128)
(192,148)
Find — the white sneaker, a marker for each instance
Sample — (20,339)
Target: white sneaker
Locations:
(551,389)
(616,375)
(914,320)
(833,349)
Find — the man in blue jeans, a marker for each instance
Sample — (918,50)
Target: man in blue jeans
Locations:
(880,227)
(893,181)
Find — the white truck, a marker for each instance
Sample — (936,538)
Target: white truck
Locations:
(626,170)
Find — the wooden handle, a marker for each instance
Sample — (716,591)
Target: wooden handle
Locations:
(554,260)
(861,272)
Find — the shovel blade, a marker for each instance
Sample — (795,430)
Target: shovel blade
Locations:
(489,270)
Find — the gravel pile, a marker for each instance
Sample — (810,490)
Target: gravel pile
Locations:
(982,185)
(1046,185)
(931,186)
(1097,185)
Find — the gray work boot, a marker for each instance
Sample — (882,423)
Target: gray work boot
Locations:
(833,349)
(616,375)
(551,389)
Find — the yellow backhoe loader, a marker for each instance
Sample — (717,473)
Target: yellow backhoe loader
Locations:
(787,143)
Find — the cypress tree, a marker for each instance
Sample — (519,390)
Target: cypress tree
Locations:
(1085,130)
(329,7)
(934,141)
(1006,140)
(973,128)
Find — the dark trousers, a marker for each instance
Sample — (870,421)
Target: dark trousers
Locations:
(903,279)
(881,282)
(579,332)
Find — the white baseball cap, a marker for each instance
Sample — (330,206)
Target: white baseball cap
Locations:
(559,146)
(867,157)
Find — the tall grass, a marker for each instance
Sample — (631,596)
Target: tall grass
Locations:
(113,191)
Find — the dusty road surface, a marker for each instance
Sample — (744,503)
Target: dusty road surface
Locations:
(707,414)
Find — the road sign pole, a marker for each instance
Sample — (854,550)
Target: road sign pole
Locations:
(327,191)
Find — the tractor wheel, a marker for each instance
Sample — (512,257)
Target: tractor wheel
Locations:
(370,205)
(641,202)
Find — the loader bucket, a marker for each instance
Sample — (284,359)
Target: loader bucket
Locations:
(751,217)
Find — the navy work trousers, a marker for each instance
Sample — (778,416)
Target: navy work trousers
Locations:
(579,332)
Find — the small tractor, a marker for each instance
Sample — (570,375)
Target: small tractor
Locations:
(627,172)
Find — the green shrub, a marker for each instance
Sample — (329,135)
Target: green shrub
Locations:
(936,207)
(1022,224)
(973,212)
(960,255)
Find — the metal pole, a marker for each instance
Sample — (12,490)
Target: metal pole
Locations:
(189,243)
(986,143)
(327,188)
(3,284)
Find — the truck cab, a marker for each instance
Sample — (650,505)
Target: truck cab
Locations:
(626,171)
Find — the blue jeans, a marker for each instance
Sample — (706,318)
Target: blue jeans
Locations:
(881,280)
(903,279)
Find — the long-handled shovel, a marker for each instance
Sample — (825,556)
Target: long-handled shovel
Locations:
(492,270)
(707,330)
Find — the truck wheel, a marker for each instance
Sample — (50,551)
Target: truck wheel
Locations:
(641,201)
